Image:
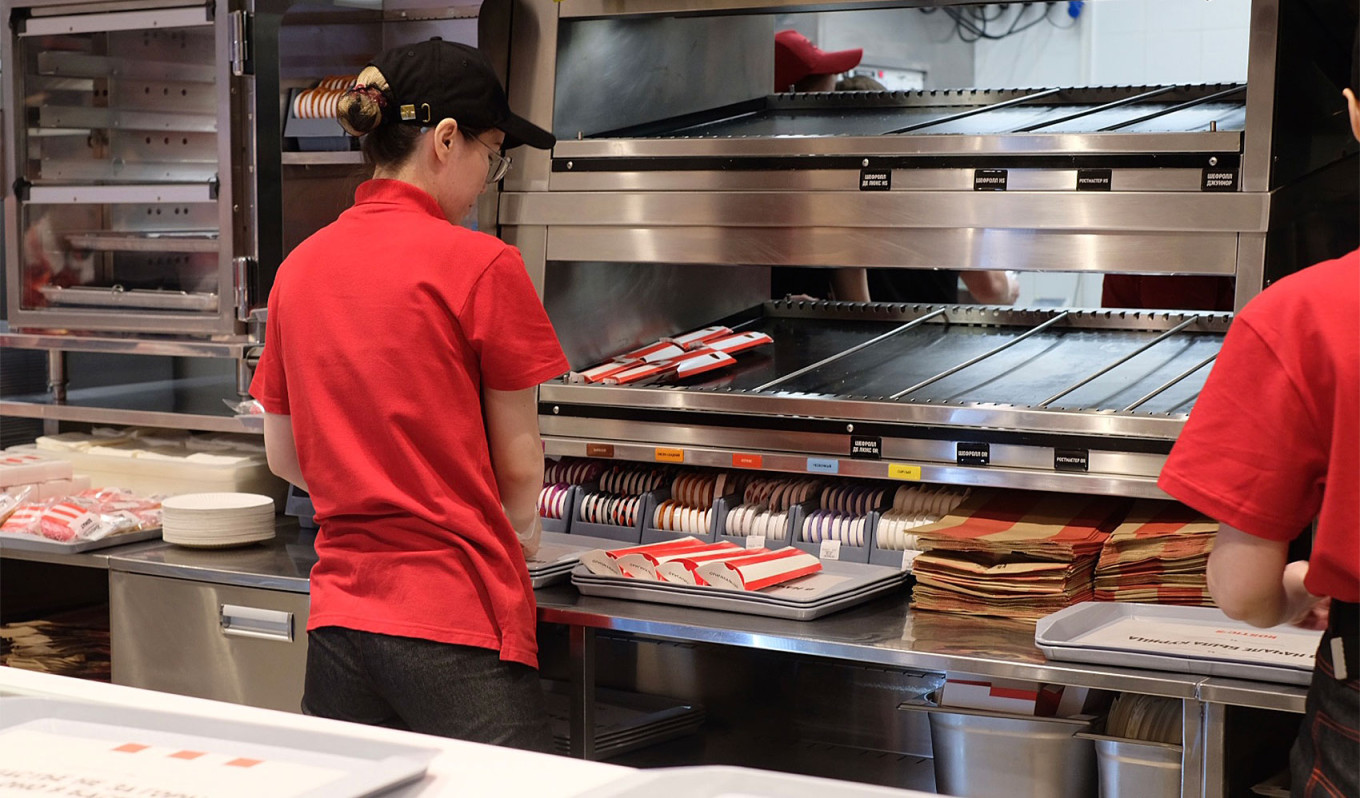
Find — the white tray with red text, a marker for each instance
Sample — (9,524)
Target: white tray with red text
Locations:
(837,586)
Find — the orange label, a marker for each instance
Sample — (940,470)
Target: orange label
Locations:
(599,450)
(670,455)
(747,460)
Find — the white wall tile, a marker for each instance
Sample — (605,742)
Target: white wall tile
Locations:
(1175,57)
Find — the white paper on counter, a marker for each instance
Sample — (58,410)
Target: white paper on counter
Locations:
(1282,646)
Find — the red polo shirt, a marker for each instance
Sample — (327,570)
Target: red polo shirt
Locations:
(1274,439)
(383,329)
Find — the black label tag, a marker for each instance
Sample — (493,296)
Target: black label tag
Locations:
(989,179)
(1094,179)
(973,453)
(1219,180)
(1071,460)
(875,180)
(863,447)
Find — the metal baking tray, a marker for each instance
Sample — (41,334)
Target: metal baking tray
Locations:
(351,767)
(117,297)
(151,241)
(16,542)
(1209,643)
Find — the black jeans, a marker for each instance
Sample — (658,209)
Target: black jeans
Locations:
(433,688)
(1323,762)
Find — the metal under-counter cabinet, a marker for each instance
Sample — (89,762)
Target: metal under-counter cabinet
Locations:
(240,644)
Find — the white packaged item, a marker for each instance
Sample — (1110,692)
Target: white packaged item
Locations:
(28,467)
(161,471)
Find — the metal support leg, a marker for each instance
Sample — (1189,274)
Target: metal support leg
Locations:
(1215,726)
(56,375)
(1193,759)
(243,376)
(582,719)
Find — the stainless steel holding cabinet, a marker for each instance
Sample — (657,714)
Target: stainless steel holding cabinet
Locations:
(129,150)
(671,193)
(239,644)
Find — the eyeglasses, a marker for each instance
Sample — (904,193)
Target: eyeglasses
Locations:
(499,163)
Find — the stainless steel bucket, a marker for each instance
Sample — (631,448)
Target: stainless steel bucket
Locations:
(1137,769)
(989,755)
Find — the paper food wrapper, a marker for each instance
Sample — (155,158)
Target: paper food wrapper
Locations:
(644,564)
(605,562)
(761,570)
(683,570)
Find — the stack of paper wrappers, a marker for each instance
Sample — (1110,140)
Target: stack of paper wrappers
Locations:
(1013,554)
(1157,556)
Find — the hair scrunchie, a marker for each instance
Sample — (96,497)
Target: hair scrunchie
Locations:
(372,92)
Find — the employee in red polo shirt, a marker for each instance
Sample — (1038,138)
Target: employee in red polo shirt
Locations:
(1272,444)
(398,379)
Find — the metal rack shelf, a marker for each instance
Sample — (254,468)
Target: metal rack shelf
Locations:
(194,404)
(116,344)
(160,241)
(327,158)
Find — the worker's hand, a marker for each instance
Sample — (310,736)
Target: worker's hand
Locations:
(1305,609)
(531,538)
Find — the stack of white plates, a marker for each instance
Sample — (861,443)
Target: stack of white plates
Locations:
(211,520)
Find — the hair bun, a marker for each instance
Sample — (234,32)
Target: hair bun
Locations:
(358,113)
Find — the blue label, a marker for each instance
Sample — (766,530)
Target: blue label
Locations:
(821,465)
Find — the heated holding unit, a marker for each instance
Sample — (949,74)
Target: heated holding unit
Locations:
(679,179)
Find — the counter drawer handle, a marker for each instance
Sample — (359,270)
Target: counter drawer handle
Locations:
(255,622)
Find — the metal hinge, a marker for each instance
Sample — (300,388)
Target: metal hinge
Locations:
(244,269)
(239,28)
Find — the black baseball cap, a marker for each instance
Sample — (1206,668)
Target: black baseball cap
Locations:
(436,79)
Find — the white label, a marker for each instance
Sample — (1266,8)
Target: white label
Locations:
(1339,660)
(755,542)
(831,550)
(909,557)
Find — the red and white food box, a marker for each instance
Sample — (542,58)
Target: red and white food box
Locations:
(602,372)
(605,562)
(682,570)
(644,564)
(27,469)
(759,571)
(1013,696)
(697,338)
(681,366)
(661,350)
(740,342)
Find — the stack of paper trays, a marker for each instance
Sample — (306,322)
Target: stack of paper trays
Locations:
(216,520)
(837,586)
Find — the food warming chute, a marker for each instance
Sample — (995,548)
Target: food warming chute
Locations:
(670,194)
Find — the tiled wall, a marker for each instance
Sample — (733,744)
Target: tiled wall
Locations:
(1168,41)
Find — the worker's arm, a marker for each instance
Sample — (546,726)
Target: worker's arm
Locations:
(280,450)
(850,285)
(992,287)
(516,458)
(1251,579)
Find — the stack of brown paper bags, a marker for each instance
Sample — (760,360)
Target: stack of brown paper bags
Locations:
(1013,554)
(1157,556)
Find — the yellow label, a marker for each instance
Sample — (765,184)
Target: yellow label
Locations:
(670,455)
(907,472)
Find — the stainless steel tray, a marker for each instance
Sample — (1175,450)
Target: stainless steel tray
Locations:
(1183,639)
(863,582)
(16,542)
(88,296)
(351,767)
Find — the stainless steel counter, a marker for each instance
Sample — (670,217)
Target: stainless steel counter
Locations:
(882,632)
